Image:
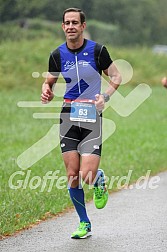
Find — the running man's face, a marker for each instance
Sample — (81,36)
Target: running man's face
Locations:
(72,26)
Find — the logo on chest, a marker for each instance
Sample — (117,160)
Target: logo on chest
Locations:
(72,65)
(69,65)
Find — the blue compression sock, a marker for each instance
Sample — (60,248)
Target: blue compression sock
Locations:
(77,197)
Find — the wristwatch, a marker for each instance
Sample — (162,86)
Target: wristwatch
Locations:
(106,97)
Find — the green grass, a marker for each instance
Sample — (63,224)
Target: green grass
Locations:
(139,142)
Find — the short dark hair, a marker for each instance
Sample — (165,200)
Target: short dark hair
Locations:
(82,14)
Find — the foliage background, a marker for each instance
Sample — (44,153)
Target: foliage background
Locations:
(125,22)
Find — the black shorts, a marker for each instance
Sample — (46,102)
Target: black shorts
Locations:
(83,137)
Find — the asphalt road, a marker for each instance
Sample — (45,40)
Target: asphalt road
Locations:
(133,220)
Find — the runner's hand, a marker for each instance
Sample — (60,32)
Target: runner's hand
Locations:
(99,103)
(164,82)
(47,94)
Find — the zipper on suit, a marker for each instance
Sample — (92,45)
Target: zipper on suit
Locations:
(76,61)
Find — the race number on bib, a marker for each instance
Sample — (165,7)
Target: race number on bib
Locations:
(83,112)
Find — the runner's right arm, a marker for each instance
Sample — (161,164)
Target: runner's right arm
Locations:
(51,78)
(47,92)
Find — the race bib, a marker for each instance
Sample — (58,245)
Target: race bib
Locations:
(83,112)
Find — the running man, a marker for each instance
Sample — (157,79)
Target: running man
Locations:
(164,81)
(81,62)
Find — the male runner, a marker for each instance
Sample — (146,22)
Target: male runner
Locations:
(81,63)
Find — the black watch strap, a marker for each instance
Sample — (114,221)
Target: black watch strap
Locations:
(106,97)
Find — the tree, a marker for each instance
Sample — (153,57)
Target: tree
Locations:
(137,22)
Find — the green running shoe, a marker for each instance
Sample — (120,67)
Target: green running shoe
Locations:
(83,231)
(100,196)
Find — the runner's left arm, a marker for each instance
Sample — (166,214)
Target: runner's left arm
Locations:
(109,69)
